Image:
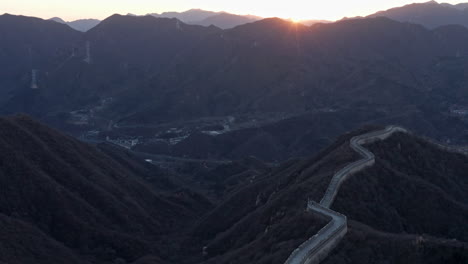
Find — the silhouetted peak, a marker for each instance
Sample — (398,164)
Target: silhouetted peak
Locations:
(430,14)
(117,21)
(273,21)
(114,17)
(226,20)
(29,23)
(58,20)
(19,17)
(424,4)
(117,18)
(267,24)
(431,2)
(357,24)
(460,6)
(196,10)
(213,27)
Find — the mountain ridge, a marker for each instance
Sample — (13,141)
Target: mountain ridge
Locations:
(430,14)
(201,17)
(170,71)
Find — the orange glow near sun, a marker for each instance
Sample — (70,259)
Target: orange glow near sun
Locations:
(295,20)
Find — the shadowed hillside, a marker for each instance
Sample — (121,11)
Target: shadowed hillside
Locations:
(389,218)
(414,188)
(80,202)
(63,201)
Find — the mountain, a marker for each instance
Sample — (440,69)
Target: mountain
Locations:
(434,189)
(313,21)
(208,142)
(84,25)
(65,201)
(145,76)
(225,20)
(206,18)
(460,6)
(193,16)
(388,213)
(31,44)
(288,62)
(58,19)
(234,54)
(187,16)
(145,44)
(298,136)
(430,14)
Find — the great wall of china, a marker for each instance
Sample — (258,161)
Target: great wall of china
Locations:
(319,246)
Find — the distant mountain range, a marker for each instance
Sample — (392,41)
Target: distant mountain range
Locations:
(311,22)
(82,25)
(225,20)
(206,18)
(193,16)
(461,6)
(430,14)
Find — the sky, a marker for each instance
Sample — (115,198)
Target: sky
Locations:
(291,9)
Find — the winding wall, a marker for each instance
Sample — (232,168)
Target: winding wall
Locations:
(317,247)
(454,149)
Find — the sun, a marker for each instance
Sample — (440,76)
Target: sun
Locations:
(295,20)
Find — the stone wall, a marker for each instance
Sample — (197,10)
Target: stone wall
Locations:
(316,248)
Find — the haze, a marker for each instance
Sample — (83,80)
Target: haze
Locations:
(294,9)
